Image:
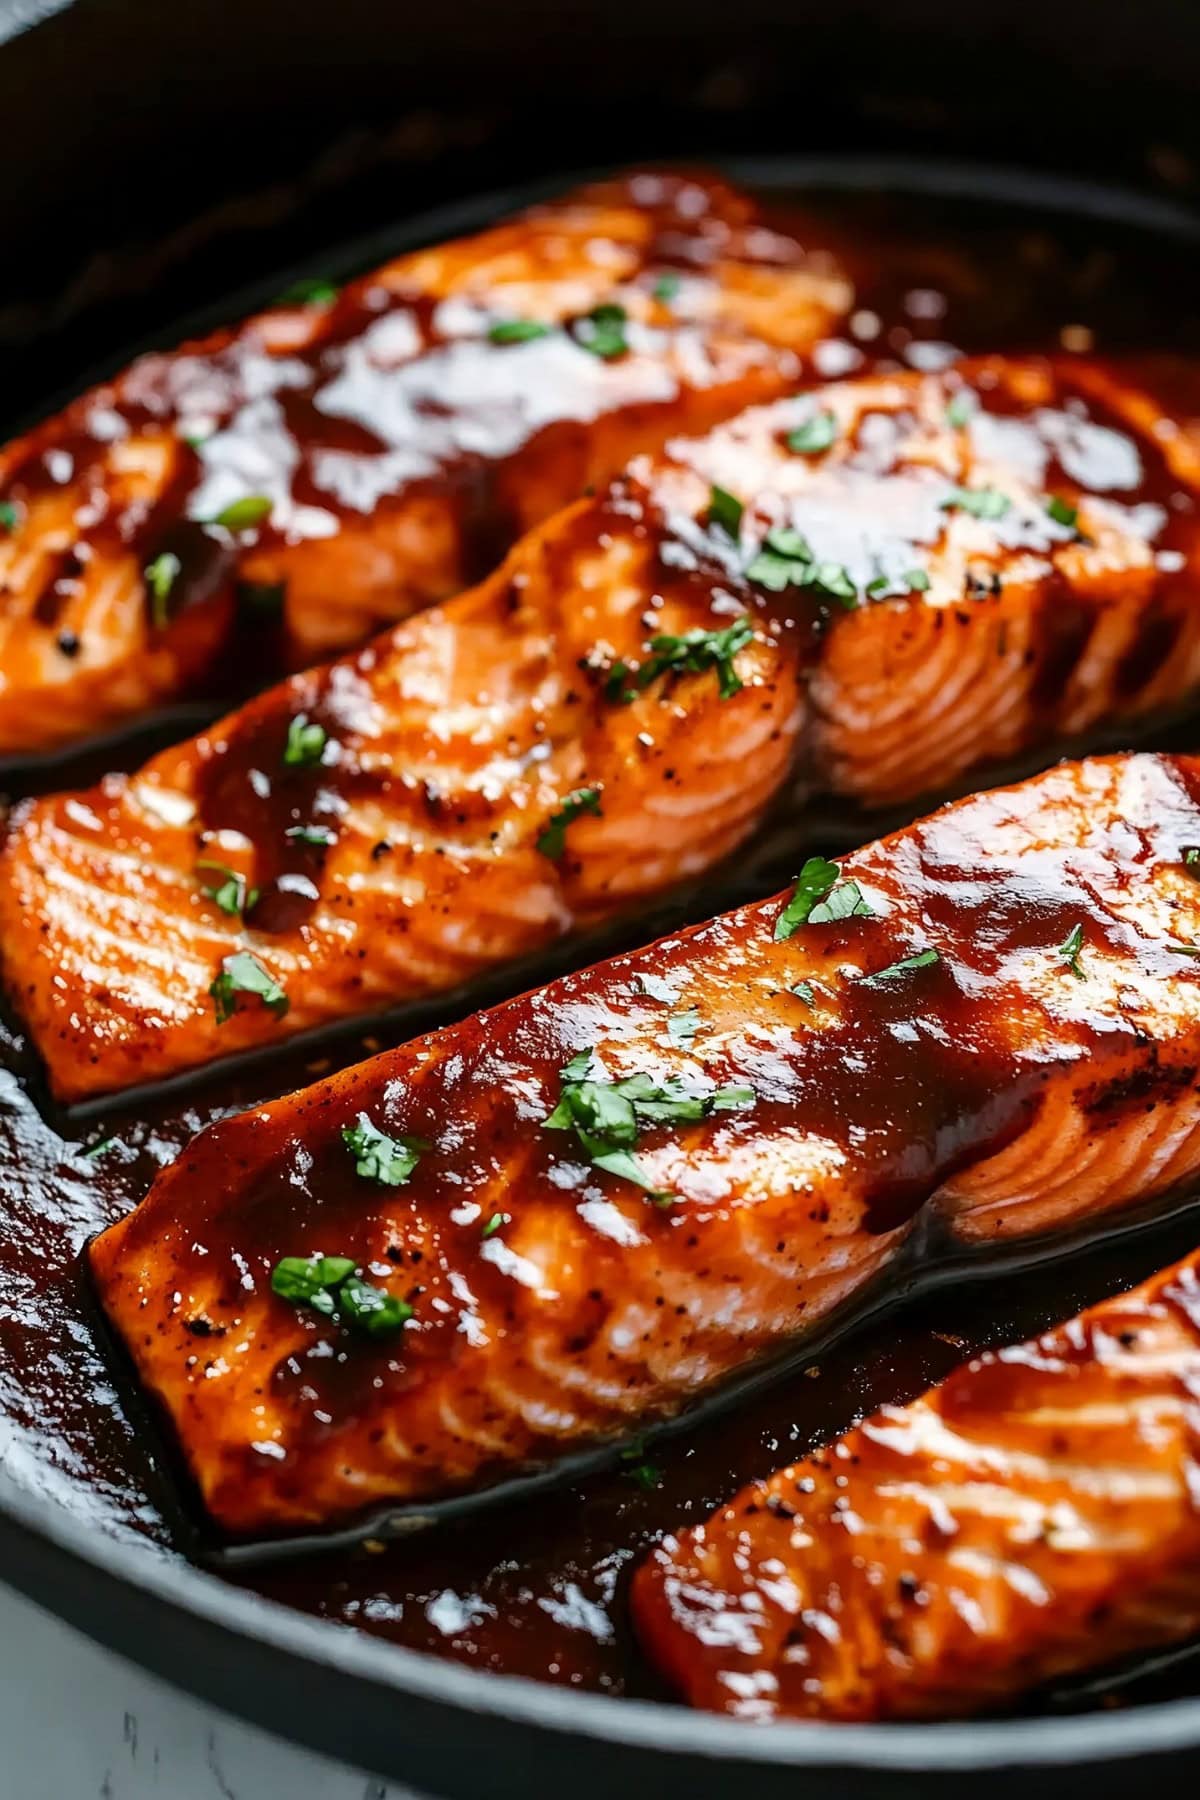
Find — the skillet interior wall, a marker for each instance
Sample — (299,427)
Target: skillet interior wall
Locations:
(170,154)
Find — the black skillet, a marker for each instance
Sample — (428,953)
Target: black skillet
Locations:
(165,159)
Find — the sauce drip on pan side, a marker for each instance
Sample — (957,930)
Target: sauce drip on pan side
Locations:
(539,1589)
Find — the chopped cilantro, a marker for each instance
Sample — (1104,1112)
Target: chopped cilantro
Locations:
(1070,949)
(160,576)
(961,408)
(815,434)
(820,898)
(517,331)
(981,503)
(1062,512)
(602,331)
(305,744)
(242,973)
(227,889)
(378,1157)
(805,991)
(667,286)
(553,840)
(320,836)
(683,1026)
(725,510)
(786,560)
(241,514)
(330,1286)
(9,515)
(495,1224)
(921,959)
(311,291)
(691,654)
(606,1116)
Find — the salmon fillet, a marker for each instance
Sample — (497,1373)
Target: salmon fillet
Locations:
(295,482)
(874,619)
(583,1210)
(1032,1517)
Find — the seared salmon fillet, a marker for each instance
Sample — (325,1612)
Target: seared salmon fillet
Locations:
(295,482)
(975,563)
(1034,1516)
(582,1211)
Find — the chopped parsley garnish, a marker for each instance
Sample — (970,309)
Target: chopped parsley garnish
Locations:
(916,580)
(683,1026)
(378,1157)
(497,1221)
(981,503)
(242,973)
(99,1149)
(725,510)
(312,291)
(241,514)
(815,434)
(691,654)
(1070,949)
(805,991)
(646,1474)
(305,744)
(9,515)
(820,898)
(161,576)
(1062,512)
(606,1116)
(961,408)
(913,581)
(330,1286)
(667,286)
(921,959)
(553,840)
(1184,949)
(227,889)
(1191,856)
(602,331)
(320,836)
(517,331)
(786,560)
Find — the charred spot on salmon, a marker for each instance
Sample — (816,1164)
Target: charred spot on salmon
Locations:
(981,503)
(306,741)
(921,959)
(242,973)
(1070,950)
(553,840)
(161,576)
(689,654)
(67,643)
(602,331)
(378,1157)
(725,511)
(318,837)
(816,434)
(820,898)
(517,331)
(243,514)
(227,889)
(331,1286)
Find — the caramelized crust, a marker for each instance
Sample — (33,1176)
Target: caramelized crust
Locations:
(998,1036)
(1032,1517)
(401,449)
(454,741)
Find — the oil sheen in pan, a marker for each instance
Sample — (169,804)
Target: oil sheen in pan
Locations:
(537,1588)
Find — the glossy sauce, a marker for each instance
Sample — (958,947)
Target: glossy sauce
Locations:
(540,1590)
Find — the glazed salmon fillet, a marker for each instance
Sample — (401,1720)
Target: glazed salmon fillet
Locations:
(291,484)
(574,1216)
(975,563)
(1033,1517)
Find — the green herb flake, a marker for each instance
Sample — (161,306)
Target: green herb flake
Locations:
(243,514)
(1184,949)
(667,286)
(607,1116)
(725,511)
(10,516)
(553,840)
(683,1026)
(496,1223)
(961,409)
(305,744)
(242,973)
(371,1309)
(805,991)
(916,581)
(814,435)
(517,331)
(227,889)
(1191,856)
(1070,949)
(833,580)
(820,898)
(921,959)
(378,1157)
(330,1286)
(691,654)
(95,1150)
(161,575)
(602,331)
(1062,512)
(320,837)
(981,503)
(310,291)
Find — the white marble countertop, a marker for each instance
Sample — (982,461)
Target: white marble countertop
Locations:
(78,1723)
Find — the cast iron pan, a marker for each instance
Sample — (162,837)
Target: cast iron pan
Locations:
(442,1728)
